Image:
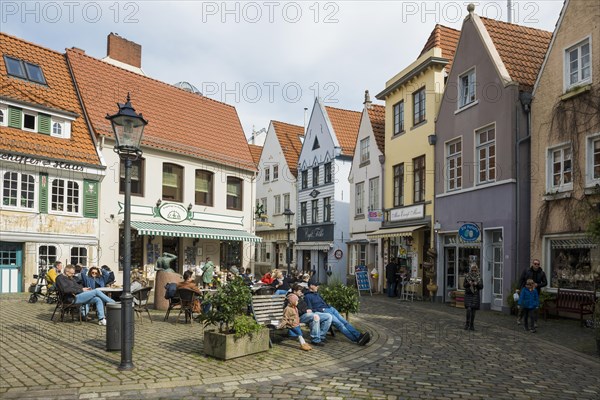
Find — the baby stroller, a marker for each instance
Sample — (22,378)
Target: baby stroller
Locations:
(40,288)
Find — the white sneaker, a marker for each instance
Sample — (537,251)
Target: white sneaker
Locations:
(102,322)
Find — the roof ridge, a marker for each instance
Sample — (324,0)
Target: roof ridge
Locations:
(342,109)
(513,24)
(31,43)
(286,123)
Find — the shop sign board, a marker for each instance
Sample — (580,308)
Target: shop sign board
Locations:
(407,213)
(316,233)
(469,232)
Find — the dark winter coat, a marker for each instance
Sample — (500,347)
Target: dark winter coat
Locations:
(472,299)
(538,277)
(529,299)
(390,272)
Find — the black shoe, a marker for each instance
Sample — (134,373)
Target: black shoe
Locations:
(318,344)
(364,338)
(466,327)
(471,328)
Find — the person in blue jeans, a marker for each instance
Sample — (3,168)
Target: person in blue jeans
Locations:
(315,302)
(318,322)
(529,301)
(84,296)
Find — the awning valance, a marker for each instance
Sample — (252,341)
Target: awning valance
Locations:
(159,229)
(394,232)
(320,246)
(580,243)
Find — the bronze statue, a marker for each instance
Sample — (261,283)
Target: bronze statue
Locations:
(163,263)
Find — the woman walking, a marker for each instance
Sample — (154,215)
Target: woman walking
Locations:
(473,286)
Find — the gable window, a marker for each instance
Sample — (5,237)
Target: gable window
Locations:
(316,144)
(315,176)
(419,179)
(303,213)
(466,87)
(275,172)
(315,211)
(24,70)
(578,67)
(304,179)
(172,182)
(454,165)
(29,121)
(18,190)
(263,202)
(234,193)
(286,201)
(204,188)
(79,255)
(327,209)
(560,168)
(57,129)
(593,160)
(398,185)
(327,172)
(47,255)
(137,177)
(359,198)
(374,194)
(65,196)
(486,153)
(277,204)
(3,116)
(419,106)
(364,150)
(399,117)
(267,174)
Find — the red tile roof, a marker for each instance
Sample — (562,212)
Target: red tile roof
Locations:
(256,152)
(345,124)
(59,94)
(289,140)
(179,121)
(444,37)
(521,49)
(377,117)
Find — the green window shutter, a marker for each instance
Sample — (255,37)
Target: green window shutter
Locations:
(14,117)
(90,199)
(43,193)
(44,123)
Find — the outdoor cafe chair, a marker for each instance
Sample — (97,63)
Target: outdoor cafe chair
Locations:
(66,304)
(140,302)
(187,298)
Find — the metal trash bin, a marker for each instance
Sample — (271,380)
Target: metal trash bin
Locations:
(113,326)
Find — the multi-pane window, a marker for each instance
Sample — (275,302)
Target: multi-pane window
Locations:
(327,209)
(57,128)
(454,165)
(24,70)
(419,179)
(264,203)
(172,182)
(364,150)
(593,160)
(304,179)
(374,194)
(267,174)
(137,177)
(359,198)
(315,176)
(486,154)
(466,88)
(578,64)
(18,190)
(277,199)
(79,255)
(560,168)
(204,188)
(398,185)
(399,117)
(65,196)
(262,252)
(234,193)
(47,255)
(303,213)
(315,211)
(275,172)
(327,172)
(419,106)
(286,201)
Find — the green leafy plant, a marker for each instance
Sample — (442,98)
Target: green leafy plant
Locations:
(510,299)
(343,298)
(245,325)
(228,303)
(546,297)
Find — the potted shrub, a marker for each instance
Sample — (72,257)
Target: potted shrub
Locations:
(238,334)
(343,298)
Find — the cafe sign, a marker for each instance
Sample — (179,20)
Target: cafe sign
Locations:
(173,212)
(407,213)
(315,233)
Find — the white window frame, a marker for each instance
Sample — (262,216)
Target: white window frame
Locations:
(19,191)
(267,174)
(65,203)
(65,126)
(364,150)
(590,179)
(4,111)
(286,201)
(398,116)
(467,95)
(457,157)
(374,194)
(314,211)
(359,196)
(275,172)
(488,147)
(277,199)
(264,203)
(567,67)
(82,255)
(561,187)
(30,113)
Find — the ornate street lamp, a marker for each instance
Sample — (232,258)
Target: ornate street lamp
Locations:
(289,217)
(128,128)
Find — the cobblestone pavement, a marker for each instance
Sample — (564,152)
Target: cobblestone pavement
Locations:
(418,350)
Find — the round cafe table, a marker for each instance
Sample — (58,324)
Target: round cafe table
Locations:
(112,292)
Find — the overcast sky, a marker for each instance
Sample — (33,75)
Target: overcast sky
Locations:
(267,58)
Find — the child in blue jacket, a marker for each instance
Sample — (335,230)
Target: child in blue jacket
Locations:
(529,301)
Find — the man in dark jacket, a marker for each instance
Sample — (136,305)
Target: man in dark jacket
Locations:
(391,276)
(536,273)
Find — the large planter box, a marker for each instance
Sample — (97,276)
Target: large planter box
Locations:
(226,347)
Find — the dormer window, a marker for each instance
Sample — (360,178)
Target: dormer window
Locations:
(29,121)
(24,70)
(32,120)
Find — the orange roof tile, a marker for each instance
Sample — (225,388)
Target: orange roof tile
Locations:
(345,124)
(521,48)
(59,94)
(179,121)
(256,152)
(377,117)
(444,37)
(289,140)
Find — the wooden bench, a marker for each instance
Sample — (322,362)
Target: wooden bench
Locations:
(268,311)
(575,301)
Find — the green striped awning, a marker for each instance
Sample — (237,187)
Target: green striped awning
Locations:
(158,229)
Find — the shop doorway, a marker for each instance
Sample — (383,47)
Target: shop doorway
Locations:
(497,267)
(11,267)
(306,267)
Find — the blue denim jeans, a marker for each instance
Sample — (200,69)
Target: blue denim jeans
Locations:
(279,292)
(391,288)
(342,325)
(295,332)
(93,297)
(318,329)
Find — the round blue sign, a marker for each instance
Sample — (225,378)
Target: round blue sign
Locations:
(469,232)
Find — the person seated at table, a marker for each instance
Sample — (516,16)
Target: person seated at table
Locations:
(278,283)
(315,302)
(318,322)
(84,296)
(95,277)
(269,277)
(188,283)
(303,281)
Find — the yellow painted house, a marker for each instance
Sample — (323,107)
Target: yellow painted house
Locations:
(412,100)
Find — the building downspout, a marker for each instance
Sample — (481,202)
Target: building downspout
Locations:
(381,249)
(525,100)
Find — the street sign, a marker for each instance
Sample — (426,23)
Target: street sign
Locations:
(469,232)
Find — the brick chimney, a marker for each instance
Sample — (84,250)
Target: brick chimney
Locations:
(124,50)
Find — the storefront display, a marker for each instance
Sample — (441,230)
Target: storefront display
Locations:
(574,263)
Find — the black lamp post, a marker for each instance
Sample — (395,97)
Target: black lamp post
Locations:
(128,128)
(289,216)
